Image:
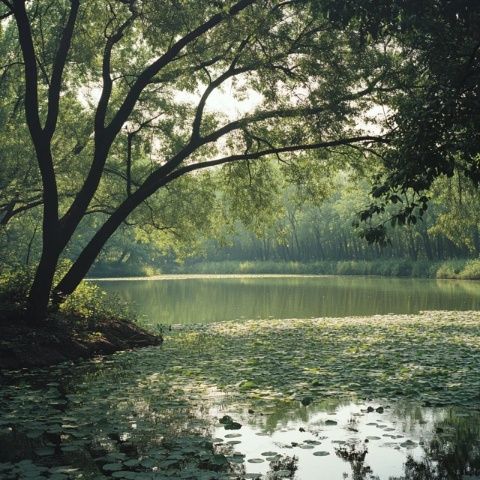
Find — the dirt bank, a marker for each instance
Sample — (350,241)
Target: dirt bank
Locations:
(60,339)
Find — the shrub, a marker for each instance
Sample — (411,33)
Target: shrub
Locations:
(450,269)
(15,285)
(471,270)
(88,301)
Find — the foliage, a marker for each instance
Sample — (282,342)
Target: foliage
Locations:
(467,270)
(388,268)
(120,117)
(14,286)
(457,201)
(89,302)
(436,113)
(321,230)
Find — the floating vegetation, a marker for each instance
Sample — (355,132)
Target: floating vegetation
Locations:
(218,401)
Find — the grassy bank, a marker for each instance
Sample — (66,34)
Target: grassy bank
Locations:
(458,269)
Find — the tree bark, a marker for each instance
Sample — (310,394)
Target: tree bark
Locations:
(39,295)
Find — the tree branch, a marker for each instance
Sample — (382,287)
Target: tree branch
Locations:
(145,77)
(109,133)
(57,71)
(11,211)
(41,144)
(231,72)
(102,106)
(274,151)
(30,69)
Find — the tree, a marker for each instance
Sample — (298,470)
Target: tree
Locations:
(435,120)
(117,101)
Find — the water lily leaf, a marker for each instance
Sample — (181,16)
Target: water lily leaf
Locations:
(112,467)
(45,451)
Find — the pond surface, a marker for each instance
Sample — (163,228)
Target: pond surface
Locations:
(385,397)
(202,299)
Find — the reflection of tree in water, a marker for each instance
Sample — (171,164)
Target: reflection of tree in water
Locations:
(452,454)
(356,457)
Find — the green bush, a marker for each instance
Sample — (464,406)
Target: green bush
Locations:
(15,285)
(471,270)
(88,301)
(450,269)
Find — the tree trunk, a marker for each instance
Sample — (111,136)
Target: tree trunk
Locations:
(87,257)
(39,296)
(427,245)
(476,239)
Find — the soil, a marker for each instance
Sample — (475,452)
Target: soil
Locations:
(61,339)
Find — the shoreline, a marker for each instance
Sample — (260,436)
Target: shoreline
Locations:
(66,339)
(457,269)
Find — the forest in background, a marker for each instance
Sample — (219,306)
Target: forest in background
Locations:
(310,227)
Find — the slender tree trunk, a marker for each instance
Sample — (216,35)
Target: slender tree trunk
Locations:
(476,239)
(427,245)
(29,248)
(39,296)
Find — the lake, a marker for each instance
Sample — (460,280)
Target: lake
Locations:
(263,378)
(201,299)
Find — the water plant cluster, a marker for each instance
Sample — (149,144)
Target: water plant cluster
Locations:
(147,414)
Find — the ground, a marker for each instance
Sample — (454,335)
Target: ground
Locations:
(63,338)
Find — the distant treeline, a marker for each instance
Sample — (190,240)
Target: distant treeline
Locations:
(298,234)
(320,238)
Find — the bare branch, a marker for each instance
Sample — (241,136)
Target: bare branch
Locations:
(11,211)
(102,106)
(3,16)
(231,72)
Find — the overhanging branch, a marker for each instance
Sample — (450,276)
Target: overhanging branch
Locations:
(353,141)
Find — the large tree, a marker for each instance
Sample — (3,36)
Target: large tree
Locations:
(436,121)
(120,99)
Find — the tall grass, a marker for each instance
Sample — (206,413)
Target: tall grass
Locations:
(457,269)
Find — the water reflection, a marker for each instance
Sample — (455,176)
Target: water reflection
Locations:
(349,441)
(211,299)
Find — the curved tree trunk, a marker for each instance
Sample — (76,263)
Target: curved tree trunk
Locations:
(87,257)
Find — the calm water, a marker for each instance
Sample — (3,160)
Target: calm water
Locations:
(202,299)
